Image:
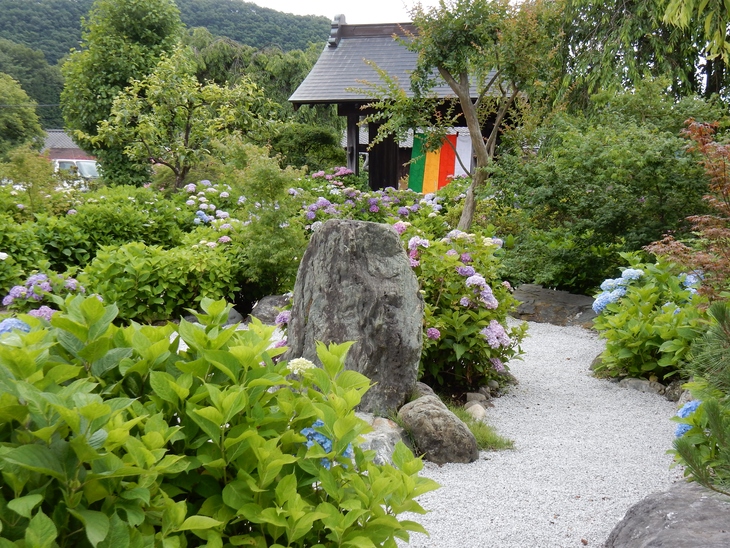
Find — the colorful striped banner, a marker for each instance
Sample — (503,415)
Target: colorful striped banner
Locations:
(430,171)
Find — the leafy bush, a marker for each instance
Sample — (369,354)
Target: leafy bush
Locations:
(65,243)
(115,435)
(703,435)
(649,318)
(149,283)
(24,251)
(466,340)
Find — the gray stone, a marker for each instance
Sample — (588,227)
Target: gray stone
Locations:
(642,385)
(493,385)
(596,363)
(268,308)
(673,391)
(472,403)
(484,390)
(438,433)
(685,516)
(234,316)
(422,389)
(556,307)
(475,396)
(355,283)
(478,412)
(383,438)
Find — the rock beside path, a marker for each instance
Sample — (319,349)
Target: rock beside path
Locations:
(685,516)
(555,307)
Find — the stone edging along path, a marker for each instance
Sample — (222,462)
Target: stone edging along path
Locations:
(586,451)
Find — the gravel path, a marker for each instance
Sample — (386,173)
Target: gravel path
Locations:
(586,450)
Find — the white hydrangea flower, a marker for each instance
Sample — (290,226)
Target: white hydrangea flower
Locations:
(3,256)
(299,365)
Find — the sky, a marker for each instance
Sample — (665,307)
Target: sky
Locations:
(368,11)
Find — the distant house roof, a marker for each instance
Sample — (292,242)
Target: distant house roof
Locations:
(342,65)
(58,144)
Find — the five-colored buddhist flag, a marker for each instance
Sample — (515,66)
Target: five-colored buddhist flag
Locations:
(432,170)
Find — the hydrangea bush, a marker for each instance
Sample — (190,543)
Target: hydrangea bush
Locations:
(38,291)
(114,435)
(649,317)
(466,338)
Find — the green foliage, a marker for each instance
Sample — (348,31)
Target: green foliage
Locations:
(650,329)
(19,124)
(122,40)
(300,145)
(118,436)
(466,341)
(150,284)
(598,186)
(24,252)
(704,449)
(710,359)
(487,438)
(42,82)
(33,178)
(171,119)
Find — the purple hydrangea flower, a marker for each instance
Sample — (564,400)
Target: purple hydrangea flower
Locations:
(417,241)
(283,317)
(465,301)
(415,208)
(374,209)
(476,280)
(452,252)
(433,333)
(400,227)
(224,239)
(497,365)
(403,211)
(43,312)
(466,271)
(496,335)
(71,212)
(465,258)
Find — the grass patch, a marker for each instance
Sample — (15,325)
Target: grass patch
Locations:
(487,438)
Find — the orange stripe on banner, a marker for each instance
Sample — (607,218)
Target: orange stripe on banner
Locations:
(446,161)
(431,173)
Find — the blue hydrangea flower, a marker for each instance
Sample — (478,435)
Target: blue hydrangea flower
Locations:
(632,274)
(313,436)
(601,302)
(608,285)
(688,408)
(7,325)
(681,430)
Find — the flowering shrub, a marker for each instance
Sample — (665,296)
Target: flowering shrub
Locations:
(466,340)
(22,251)
(119,434)
(39,290)
(649,317)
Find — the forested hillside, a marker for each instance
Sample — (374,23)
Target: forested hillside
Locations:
(54,26)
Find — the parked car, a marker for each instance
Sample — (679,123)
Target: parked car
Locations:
(86,169)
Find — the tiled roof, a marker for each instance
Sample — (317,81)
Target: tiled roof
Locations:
(342,65)
(57,138)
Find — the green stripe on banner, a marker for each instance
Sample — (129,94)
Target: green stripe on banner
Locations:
(418,165)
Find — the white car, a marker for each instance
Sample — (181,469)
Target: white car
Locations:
(86,169)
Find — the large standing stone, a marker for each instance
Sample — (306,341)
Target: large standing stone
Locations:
(556,307)
(355,283)
(438,433)
(685,516)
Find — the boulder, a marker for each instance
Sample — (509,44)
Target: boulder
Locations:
(355,283)
(438,433)
(477,412)
(383,438)
(268,308)
(555,307)
(642,385)
(685,516)
(422,389)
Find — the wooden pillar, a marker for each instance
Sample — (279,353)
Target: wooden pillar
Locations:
(384,168)
(353,142)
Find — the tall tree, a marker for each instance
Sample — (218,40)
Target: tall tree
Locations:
(615,44)
(493,55)
(713,18)
(123,40)
(41,81)
(18,121)
(171,119)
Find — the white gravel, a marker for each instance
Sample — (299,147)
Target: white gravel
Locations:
(586,450)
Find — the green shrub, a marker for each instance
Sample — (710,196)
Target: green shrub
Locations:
(649,318)
(23,249)
(115,436)
(149,283)
(65,243)
(702,446)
